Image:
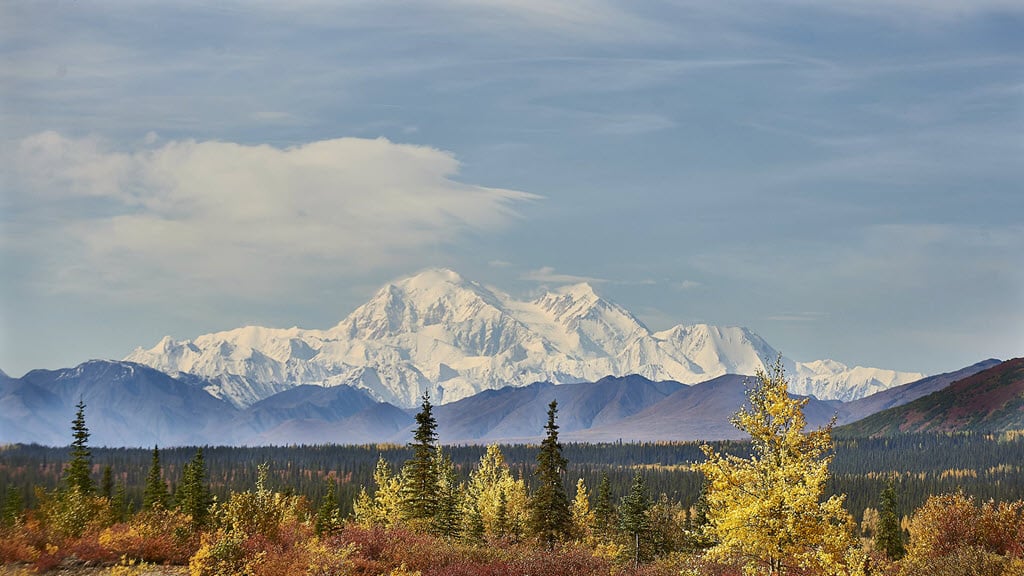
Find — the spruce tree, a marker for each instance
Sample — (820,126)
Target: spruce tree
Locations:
(107,483)
(604,512)
(550,514)
(419,501)
(155,494)
(119,503)
(77,473)
(473,531)
(502,525)
(328,517)
(13,508)
(633,519)
(700,534)
(193,495)
(447,516)
(889,536)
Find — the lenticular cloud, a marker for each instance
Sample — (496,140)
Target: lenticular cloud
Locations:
(218,212)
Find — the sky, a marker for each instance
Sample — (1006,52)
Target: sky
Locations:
(844,178)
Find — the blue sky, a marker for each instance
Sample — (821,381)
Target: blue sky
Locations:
(845,178)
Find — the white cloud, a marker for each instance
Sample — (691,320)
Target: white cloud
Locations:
(548,274)
(230,217)
(688,285)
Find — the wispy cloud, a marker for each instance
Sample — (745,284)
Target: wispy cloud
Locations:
(549,274)
(219,216)
(799,317)
(917,9)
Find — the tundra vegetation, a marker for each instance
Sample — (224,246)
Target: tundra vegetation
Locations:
(771,506)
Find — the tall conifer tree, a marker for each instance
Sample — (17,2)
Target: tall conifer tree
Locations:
(447,516)
(633,519)
(77,473)
(502,525)
(155,494)
(604,511)
(107,483)
(119,503)
(889,536)
(328,517)
(193,496)
(550,513)
(420,499)
(12,510)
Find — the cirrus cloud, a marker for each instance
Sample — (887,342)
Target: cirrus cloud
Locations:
(223,216)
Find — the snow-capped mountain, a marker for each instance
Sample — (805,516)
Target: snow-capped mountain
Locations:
(828,379)
(437,331)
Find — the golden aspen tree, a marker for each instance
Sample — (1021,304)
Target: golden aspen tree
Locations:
(766,511)
(489,480)
(384,508)
(582,515)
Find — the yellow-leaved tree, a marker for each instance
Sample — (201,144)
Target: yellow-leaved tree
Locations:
(385,506)
(582,515)
(766,511)
(498,496)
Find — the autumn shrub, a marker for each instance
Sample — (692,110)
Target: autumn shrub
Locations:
(48,559)
(157,535)
(950,536)
(369,542)
(59,531)
(266,533)
(560,561)
(420,551)
(16,547)
(467,568)
(87,549)
(225,553)
(219,554)
(386,549)
(261,511)
(328,557)
(69,513)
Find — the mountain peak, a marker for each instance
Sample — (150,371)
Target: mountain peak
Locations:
(573,300)
(437,331)
(436,296)
(431,276)
(579,291)
(826,366)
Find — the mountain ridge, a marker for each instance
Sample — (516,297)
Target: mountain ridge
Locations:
(132,404)
(436,331)
(988,401)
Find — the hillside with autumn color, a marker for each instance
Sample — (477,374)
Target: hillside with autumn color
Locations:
(990,401)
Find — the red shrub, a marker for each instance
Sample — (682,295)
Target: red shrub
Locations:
(15,546)
(568,561)
(88,549)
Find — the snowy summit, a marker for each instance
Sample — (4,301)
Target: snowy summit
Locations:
(438,332)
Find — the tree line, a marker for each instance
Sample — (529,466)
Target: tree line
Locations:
(921,465)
